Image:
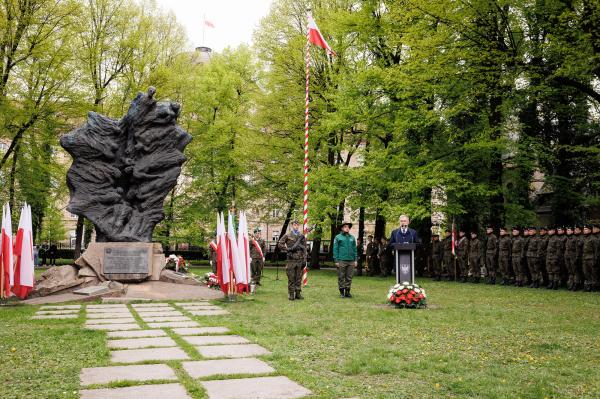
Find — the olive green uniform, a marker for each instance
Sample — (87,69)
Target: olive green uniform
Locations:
(570,259)
(554,253)
(448,267)
(504,247)
(372,258)
(462,256)
(436,258)
(491,256)
(542,252)
(256,256)
(532,260)
(589,258)
(475,257)
(517,252)
(294,243)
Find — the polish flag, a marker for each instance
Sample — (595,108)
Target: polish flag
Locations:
(315,36)
(6,264)
(24,273)
(244,253)
(223,263)
(234,254)
(209,24)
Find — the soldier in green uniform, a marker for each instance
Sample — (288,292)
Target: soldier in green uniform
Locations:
(372,256)
(504,247)
(552,259)
(589,258)
(475,257)
(447,267)
(524,264)
(571,249)
(542,247)
(462,255)
(294,244)
(517,252)
(578,234)
(436,257)
(345,256)
(258,249)
(385,258)
(563,273)
(596,270)
(532,258)
(491,254)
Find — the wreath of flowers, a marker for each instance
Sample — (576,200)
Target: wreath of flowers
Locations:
(407,295)
(211,281)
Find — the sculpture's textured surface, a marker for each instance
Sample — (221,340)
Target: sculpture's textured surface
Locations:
(123,170)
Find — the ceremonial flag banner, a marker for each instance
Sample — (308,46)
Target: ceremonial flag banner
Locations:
(223,263)
(243,255)
(315,36)
(234,254)
(24,273)
(453,239)
(209,24)
(7,273)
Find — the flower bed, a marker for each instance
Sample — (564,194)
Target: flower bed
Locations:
(407,295)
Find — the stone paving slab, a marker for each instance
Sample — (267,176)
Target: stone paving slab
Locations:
(200,307)
(232,351)
(55,316)
(261,387)
(174,324)
(161,391)
(208,312)
(154,310)
(141,355)
(166,318)
(208,368)
(106,375)
(215,339)
(138,343)
(113,327)
(196,305)
(158,314)
(107,306)
(150,305)
(112,321)
(190,303)
(200,330)
(136,334)
(65,311)
(109,315)
(60,307)
(116,310)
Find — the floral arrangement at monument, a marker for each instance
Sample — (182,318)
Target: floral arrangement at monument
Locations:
(407,295)
(211,281)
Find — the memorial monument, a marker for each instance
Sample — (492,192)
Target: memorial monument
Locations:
(121,173)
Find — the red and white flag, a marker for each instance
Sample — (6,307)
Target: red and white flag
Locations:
(244,253)
(209,24)
(223,263)
(315,36)
(453,239)
(6,264)
(234,253)
(24,273)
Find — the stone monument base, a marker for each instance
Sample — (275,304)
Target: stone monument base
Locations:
(122,261)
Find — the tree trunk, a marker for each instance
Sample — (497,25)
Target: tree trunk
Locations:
(78,236)
(286,223)
(314,254)
(380,223)
(11,180)
(361,240)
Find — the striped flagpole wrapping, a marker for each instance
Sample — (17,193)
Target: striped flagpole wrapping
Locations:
(305,224)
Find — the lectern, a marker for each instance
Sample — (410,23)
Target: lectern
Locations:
(405,262)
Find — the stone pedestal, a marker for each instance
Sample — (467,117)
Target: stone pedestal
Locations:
(123,261)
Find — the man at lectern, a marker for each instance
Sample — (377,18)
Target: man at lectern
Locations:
(404,234)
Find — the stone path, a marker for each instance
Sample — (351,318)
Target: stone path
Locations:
(154,333)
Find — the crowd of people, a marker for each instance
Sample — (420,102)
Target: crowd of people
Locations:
(551,257)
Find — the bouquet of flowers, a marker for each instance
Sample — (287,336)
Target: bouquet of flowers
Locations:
(211,280)
(407,295)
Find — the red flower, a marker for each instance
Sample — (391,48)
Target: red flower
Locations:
(410,296)
(421,296)
(408,302)
(402,297)
(397,300)
(416,299)
(391,298)
(404,291)
(412,292)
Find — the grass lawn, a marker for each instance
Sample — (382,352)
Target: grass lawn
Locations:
(474,341)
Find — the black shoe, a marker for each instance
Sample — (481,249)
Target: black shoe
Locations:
(299,295)
(348,294)
(550,285)
(291,297)
(342,293)
(555,286)
(532,285)
(258,283)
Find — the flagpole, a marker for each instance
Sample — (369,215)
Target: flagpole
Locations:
(203,28)
(306,125)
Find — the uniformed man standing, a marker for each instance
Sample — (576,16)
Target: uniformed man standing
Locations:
(372,256)
(578,234)
(524,264)
(532,258)
(462,255)
(447,267)
(436,257)
(475,257)
(257,256)
(571,249)
(589,258)
(294,243)
(552,259)
(517,252)
(344,256)
(504,246)
(563,274)
(491,254)
(542,248)
(385,258)
(596,235)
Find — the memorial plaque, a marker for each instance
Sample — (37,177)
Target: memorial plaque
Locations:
(119,260)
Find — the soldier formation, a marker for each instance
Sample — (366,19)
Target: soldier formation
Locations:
(535,257)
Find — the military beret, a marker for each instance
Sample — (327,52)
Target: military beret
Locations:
(516,228)
(257,230)
(503,229)
(474,232)
(543,228)
(533,228)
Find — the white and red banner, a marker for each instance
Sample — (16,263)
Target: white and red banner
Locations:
(243,281)
(233,254)
(223,264)
(24,271)
(315,36)
(6,254)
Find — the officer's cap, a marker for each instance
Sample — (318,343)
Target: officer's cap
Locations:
(257,230)
(516,228)
(503,229)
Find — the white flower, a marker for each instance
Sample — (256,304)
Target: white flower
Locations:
(417,290)
(405,283)
(396,286)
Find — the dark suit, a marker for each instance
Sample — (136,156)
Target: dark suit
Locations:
(409,237)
